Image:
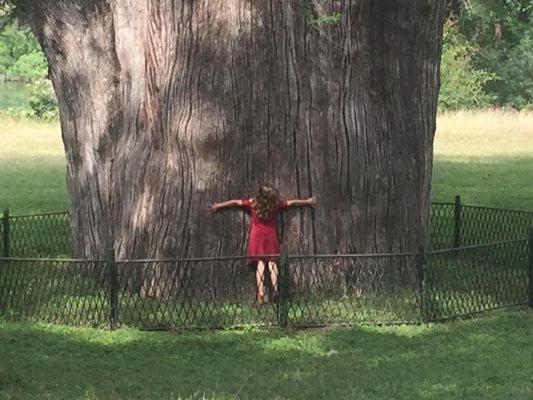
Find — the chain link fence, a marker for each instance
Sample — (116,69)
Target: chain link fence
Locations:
(302,290)
(473,279)
(455,225)
(39,235)
(461,274)
(213,293)
(452,225)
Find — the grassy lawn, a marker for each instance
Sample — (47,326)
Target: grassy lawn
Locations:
(32,166)
(488,358)
(486,157)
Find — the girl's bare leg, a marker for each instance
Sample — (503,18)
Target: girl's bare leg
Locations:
(273,268)
(260,278)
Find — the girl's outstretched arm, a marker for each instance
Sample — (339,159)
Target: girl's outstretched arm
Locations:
(213,208)
(311,201)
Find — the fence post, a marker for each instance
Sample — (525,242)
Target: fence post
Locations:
(530,257)
(5,233)
(282,304)
(457,222)
(422,266)
(113,289)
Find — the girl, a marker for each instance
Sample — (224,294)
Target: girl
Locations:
(263,244)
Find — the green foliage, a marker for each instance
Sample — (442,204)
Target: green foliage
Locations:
(42,103)
(42,100)
(21,59)
(30,66)
(316,15)
(501,31)
(17,42)
(462,85)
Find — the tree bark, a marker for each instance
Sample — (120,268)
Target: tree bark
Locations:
(167,106)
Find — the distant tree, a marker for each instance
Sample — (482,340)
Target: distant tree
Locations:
(463,86)
(502,31)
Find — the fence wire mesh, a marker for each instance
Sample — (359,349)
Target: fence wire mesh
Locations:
(301,291)
(40,235)
(451,225)
(488,225)
(377,289)
(58,291)
(298,291)
(210,293)
(456,225)
(474,279)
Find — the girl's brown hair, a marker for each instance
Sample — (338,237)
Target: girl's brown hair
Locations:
(265,203)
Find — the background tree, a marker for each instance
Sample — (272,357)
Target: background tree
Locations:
(502,32)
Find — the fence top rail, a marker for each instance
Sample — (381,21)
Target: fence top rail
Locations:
(497,209)
(373,255)
(205,259)
(64,260)
(46,214)
(442,203)
(476,246)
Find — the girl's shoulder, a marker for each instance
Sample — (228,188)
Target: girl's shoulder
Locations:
(247,202)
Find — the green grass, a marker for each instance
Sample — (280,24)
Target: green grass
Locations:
(485,157)
(497,181)
(32,166)
(486,359)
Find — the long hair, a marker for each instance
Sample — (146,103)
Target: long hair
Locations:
(265,203)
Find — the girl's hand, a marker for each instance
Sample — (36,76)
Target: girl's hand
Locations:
(213,208)
(311,201)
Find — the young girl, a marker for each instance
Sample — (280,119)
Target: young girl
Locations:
(263,243)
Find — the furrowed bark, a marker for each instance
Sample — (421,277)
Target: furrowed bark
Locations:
(167,106)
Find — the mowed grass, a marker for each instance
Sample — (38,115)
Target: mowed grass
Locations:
(32,166)
(485,156)
(488,358)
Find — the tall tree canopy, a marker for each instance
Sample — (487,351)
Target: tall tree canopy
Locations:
(167,106)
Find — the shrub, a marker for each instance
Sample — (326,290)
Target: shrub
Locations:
(42,100)
(30,67)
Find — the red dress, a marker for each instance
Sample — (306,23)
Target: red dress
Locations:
(263,238)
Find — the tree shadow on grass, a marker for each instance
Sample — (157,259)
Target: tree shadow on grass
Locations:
(498,181)
(487,358)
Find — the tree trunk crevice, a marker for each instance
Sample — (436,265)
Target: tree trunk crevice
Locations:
(167,107)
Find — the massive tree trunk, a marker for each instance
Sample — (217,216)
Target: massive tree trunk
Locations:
(167,106)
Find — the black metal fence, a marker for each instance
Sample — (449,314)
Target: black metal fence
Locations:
(214,292)
(474,279)
(455,225)
(38,235)
(454,278)
(303,291)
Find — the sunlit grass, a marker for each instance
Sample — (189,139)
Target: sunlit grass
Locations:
(32,166)
(485,359)
(466,134)
(486,157)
